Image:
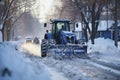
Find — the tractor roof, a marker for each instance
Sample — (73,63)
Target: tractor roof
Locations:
(60,20)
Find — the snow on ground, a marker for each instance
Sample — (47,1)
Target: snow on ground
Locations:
(104,47)
(119,45)
(101,45)
(103,65)
(15,66)
(99,67)
(104,50)
(79,69)
(32,49)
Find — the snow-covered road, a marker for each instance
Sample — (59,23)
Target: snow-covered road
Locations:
(22,61)
(80,69)
(17,65)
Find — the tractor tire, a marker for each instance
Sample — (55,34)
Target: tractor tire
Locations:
(44,48)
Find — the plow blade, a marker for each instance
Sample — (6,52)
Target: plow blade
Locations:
(69,51)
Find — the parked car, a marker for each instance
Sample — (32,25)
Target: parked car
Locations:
(36,40)
(29,39)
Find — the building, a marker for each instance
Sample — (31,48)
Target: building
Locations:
(105,30)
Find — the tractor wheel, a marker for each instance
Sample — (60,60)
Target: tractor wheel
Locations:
(44,48)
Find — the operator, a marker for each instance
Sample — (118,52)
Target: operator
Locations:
(63,27)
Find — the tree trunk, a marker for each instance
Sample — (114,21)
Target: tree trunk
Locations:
(86,35)
(2,34)
(92,37)
(92,40)
(8,35)
(116,30)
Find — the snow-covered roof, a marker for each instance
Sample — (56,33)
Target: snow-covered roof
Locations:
(60,20)
(104,25)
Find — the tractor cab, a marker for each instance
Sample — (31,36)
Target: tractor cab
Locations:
(61,32)
(58,26)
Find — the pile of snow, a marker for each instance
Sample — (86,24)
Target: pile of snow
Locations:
(118,45)
(101,45)
(18,67)
(105,47)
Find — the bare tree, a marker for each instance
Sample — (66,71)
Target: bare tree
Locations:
(116,30)
(11,11)
(5,15)
(115,12)
(90,12)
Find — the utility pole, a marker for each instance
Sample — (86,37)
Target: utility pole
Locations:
(115,29)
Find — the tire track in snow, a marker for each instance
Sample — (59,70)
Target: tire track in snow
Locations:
(106,68)
(107,64)
(79,69)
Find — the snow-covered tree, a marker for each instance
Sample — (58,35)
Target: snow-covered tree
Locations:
(10,12)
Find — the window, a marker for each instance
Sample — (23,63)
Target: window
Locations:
(53,29)
(62,26)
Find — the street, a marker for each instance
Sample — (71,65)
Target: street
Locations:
(78,69)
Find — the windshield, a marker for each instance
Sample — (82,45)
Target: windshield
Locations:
(62,26)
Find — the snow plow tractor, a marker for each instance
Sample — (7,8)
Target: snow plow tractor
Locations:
(62,41)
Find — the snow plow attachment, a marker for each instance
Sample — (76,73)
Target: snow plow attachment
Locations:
(69,51)
(60,51)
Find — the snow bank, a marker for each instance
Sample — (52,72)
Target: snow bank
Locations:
(119,45)
(103,46)
(20,68)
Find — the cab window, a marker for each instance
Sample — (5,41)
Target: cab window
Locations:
(62,26)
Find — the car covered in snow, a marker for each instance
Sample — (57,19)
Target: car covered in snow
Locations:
(36,40)
(29,39)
